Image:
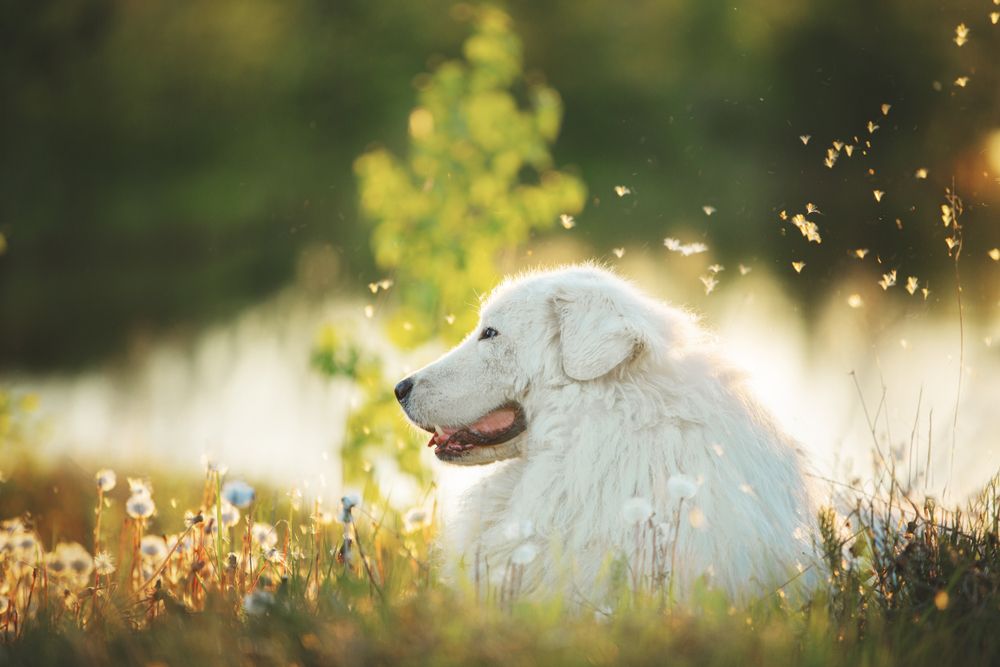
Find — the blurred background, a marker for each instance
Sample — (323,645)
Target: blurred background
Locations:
(180,211)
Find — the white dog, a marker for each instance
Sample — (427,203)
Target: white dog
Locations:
(622,432)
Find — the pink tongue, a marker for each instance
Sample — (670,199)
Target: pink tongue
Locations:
(494,421)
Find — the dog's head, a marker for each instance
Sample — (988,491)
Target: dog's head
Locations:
(544,330)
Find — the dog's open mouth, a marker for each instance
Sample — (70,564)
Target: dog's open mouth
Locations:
(493,428)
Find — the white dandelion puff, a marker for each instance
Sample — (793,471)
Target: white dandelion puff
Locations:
(106,479)
(636,510)
(524,554)
(681,487)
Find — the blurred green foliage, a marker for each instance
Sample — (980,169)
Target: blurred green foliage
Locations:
(479,180)
(165,162)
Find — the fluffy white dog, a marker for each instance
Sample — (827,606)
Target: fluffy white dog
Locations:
(623,434)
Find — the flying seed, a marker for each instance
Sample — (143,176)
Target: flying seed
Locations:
(961,34)
(962,81)
(911,284)
(878,195)
(860,252)
(921,173)
(709,282)
(622,190)
(567,221)
(888,280)
(994,254)
(798,266)
(872,127)
(804,138)
(709,210)
(855,301)
(885,109)
(619,252)
(745,269)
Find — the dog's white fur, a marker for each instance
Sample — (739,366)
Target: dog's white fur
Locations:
(621,392)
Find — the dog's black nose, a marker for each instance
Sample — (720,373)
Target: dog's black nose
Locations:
(403,389)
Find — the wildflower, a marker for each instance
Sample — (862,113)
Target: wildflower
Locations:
(140,506)
(415,519)
(681,487)
(153,548)
(104,564)
(106,479)
(257,603)
(636,510)
(238,493)
(264,534)
(524,554)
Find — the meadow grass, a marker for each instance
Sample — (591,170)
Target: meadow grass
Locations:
(131,576)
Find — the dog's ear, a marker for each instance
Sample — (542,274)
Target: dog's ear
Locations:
(595,338)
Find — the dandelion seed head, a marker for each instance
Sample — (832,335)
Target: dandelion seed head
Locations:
(636,510)
(106,479)
(519,529)
(140,507)
(104,564)
(258,602)
(153,548)
(415,519)
(681,486)
(264,534)
(238,493)
(524,554)
(139,487)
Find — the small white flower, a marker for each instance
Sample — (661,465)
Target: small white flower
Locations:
(636,510)
(106,479)
(524,554)
(681,487)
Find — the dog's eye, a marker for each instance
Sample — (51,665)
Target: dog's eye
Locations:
(488,332)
